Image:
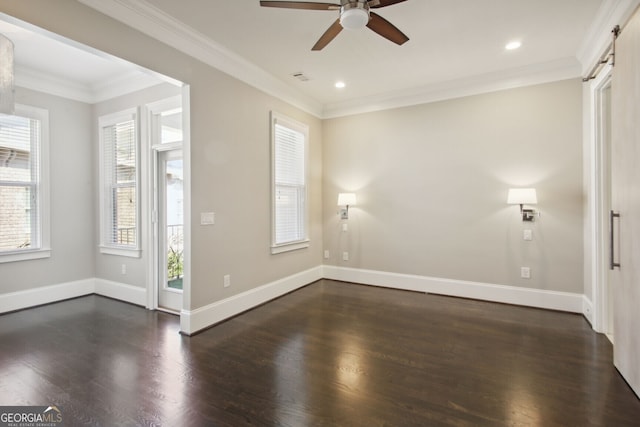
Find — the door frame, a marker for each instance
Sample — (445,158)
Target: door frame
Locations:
(600,192)
(151,152)
(159,218)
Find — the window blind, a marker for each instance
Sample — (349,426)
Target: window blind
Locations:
(120,181)
(19,183)
(290,185)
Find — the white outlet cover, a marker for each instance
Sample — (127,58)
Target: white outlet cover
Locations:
(527,235)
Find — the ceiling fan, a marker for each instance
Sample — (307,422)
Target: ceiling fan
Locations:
(354,14)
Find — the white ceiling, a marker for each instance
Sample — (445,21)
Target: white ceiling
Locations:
(49,63)
(455,47)
(449,40)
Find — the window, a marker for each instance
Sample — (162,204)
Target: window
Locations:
(24,186)
(119,207)
(289,182)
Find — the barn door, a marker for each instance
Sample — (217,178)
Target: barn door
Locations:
(625,203)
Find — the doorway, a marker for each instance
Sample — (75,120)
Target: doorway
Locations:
(168,201)
(170,240)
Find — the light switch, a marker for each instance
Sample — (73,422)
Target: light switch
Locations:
(207,218)
(527,235)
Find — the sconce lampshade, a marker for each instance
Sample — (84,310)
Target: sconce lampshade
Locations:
(346,199)
(7,103)
(522,196)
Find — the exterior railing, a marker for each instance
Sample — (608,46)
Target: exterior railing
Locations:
(175,245)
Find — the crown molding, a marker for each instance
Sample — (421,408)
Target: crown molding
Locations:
(598,37)
(45,82)
(155,23)
(123,84)
(562,69)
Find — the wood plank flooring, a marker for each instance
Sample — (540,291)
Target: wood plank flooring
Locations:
(329,354)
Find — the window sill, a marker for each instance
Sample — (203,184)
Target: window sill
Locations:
(125,252)
(289,247)
(25,255)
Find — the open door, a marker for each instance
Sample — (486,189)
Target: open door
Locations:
(168,201)
(625,203)
(170,229)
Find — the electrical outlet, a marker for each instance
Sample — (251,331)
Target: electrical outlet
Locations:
(227,280)
(345,256)
(527,235)
(123,269)
(345,227)
(525,272)
(326,254)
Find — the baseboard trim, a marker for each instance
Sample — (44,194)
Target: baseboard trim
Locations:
(587,309)
(552,300)
(45,295)
(121,291)
(192,321)
(53,293)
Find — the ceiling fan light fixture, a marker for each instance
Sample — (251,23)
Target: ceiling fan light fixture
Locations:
(354,18)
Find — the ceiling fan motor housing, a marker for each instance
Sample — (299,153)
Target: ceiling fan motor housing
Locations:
(354,14)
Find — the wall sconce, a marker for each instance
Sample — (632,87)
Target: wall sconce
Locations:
(524,196)
(7,104)
(346,200)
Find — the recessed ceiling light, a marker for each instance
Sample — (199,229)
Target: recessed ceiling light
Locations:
(513,45)
(340,85)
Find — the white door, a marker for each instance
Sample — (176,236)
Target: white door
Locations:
(170,241)
(625,201)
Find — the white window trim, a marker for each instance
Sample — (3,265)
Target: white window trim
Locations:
(303,128)
(44,200)
(105,218)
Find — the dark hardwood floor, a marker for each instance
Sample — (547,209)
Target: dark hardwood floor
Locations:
(328,354)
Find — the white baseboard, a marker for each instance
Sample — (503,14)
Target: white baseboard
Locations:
(121,291)
(553,300)
(45,295)
(192,321)
(53,293)
(587,309)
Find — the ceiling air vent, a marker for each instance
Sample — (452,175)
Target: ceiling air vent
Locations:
(301,76)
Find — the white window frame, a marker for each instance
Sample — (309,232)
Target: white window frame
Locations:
(42,232)
(106,218)
(304,242)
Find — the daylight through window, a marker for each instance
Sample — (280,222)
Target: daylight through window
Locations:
(21,210)
(289,148)
(119,176)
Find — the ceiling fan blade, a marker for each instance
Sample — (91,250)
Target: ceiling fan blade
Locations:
(386,29)
(374,4)
(328,35)
(300,5)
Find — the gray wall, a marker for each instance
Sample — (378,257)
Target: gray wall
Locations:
(71,193)
(229,153)
(432,182)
